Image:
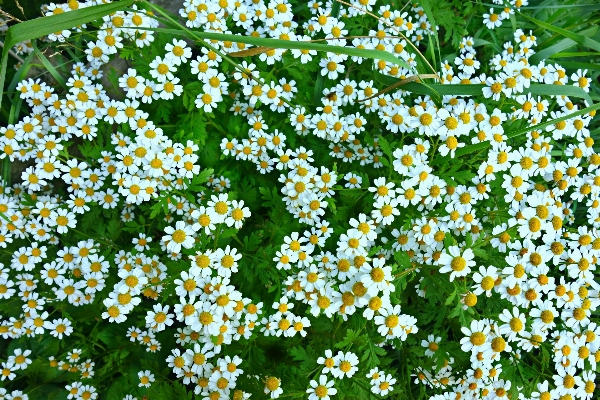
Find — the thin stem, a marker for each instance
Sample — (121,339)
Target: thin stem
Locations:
(406,272)
(394,28)
(12,53)
(213,123)
(209,46)
(101,241)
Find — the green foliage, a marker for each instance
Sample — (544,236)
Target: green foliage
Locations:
(453,17)
(437,303)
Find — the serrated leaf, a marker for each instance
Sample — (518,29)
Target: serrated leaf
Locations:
(113,229)
(352,337)
(307,361)
(385,146)
(229,232)
(252,241)
(271,197)
(402,259)
(481,253)
(456,311)
(331,205)
(352,193)
(371,354)
(469,239)
(450,298)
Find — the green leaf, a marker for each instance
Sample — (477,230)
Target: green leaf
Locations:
(450,298)
(480,253)
(271,197)
(203,176)
(331,204)
(371,354)
(352,337)
(551,50)
(385,146)
(463,176)
(229,232)
(431,17)
(180,392)
(402,259)
(456,311)
(307,361)
(252,241)
(118,388)
(385,161)
(558,90)
(352,193)
(113,228)
(469,239)
(156,208)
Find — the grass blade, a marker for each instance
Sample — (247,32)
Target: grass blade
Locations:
(285,44)
(576,37)
(429,13)
(320,81)
(475,90)
(558,47)
(479,146)
(43,26)
(57,77)
(587,6)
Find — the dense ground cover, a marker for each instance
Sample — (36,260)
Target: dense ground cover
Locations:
(276,199)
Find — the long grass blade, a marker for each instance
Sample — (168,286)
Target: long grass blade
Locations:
(48,65)
(577,37)
(434,89)
(43,26)
(483,145)
(564,44)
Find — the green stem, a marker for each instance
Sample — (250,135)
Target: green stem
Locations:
(96,239)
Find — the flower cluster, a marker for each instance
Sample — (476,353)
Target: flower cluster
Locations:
(506,242)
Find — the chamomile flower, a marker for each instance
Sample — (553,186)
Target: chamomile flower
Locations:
(238,214)
(456,262)
(345,365)
(492,20)
(322,389)
(383,385)
(146,378)
(432,345)
(178,52)
(178,237)
(377,277)
(354,181)
(159,318)
(273,387)
(59,327)
(514,323)
(485,280)
(476,336)
(19,359)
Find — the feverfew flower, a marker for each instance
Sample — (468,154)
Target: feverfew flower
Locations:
(178,237)
(456,263)
(322,389)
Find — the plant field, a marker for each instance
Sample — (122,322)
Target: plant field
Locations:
(344,199)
